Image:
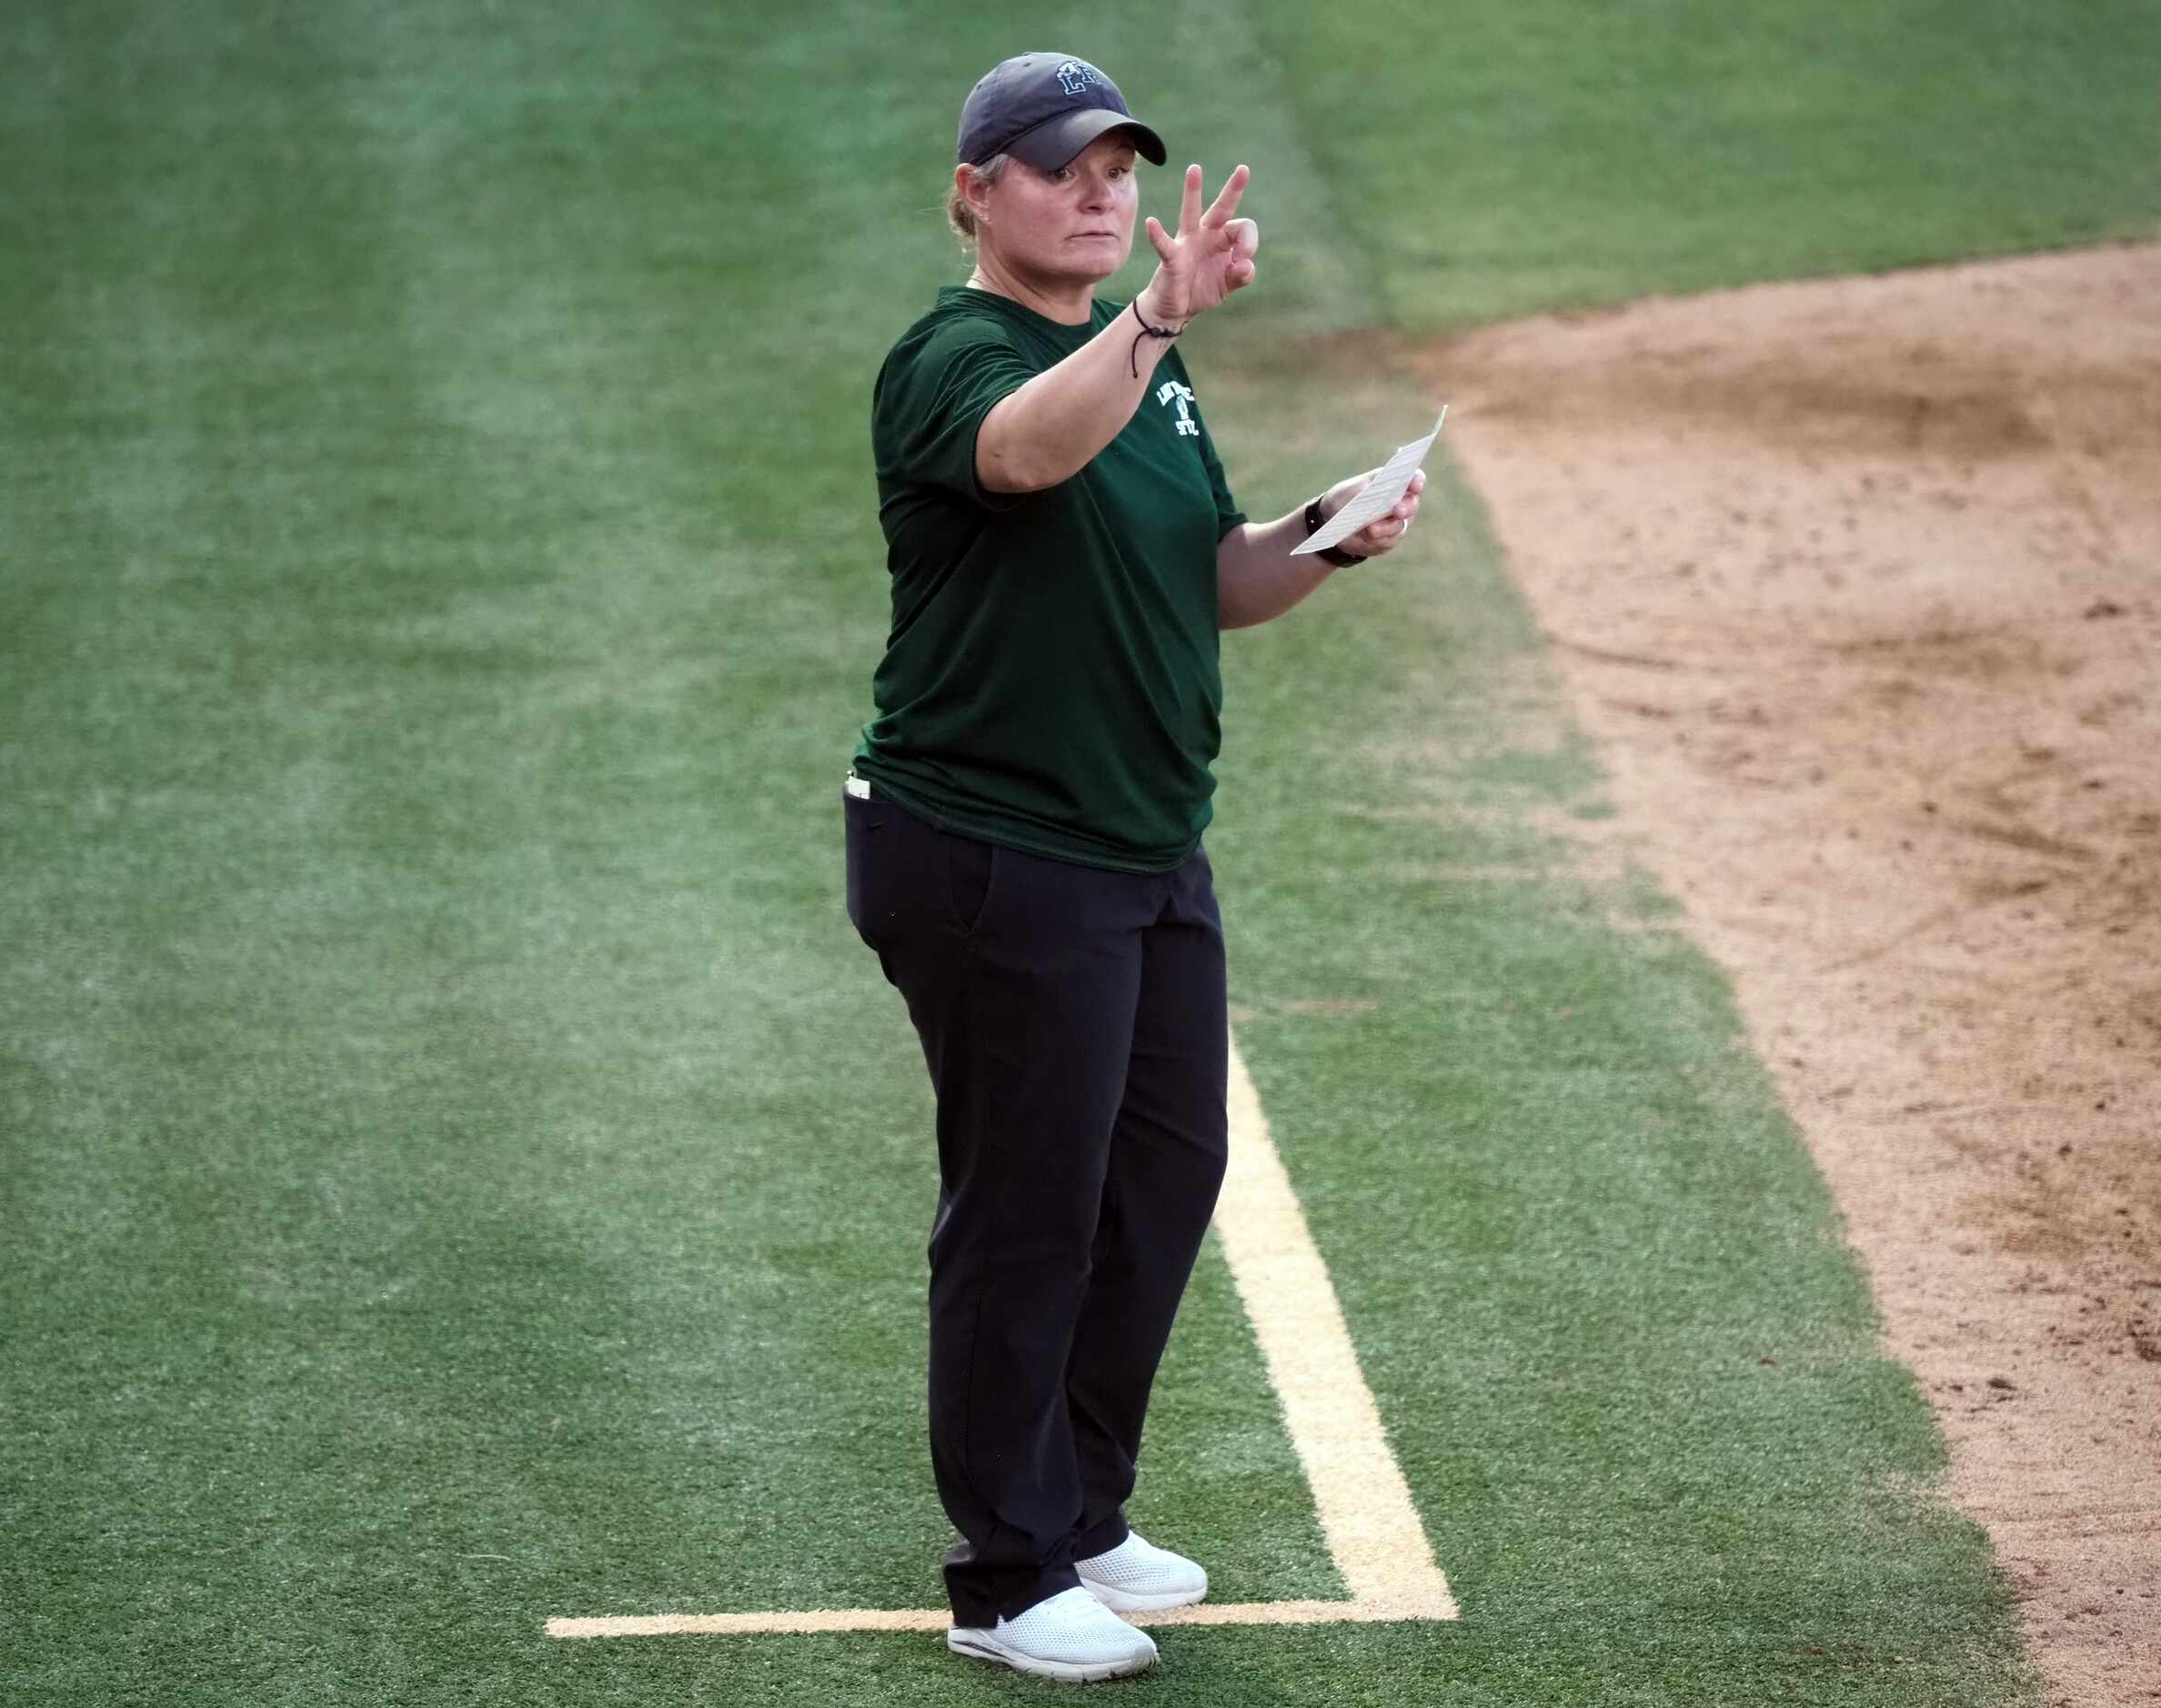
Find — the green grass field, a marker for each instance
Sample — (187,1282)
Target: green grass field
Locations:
(461,1168)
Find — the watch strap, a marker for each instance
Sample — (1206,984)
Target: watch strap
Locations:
(1334,555)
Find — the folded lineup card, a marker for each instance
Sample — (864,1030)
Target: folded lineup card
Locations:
(1378,496)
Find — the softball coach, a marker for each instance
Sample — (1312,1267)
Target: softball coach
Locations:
(1024,822)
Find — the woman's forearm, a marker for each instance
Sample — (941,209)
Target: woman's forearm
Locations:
(1256,575)
(1053,427)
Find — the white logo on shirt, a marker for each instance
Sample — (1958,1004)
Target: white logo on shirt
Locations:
(1170,391)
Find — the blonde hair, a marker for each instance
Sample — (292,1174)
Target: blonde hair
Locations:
(957,214)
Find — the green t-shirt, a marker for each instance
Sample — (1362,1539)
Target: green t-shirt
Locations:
(1051,679)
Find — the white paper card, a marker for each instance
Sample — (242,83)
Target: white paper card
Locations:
(1378,496)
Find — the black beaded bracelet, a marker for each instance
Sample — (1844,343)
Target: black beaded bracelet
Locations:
(1334,555)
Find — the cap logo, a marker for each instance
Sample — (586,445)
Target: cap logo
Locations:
(1077,75)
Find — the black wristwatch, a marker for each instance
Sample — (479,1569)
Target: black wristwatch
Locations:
(1335,554)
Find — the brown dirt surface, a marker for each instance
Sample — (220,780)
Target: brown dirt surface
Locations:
(1857,585)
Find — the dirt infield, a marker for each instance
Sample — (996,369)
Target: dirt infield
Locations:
(1857,585)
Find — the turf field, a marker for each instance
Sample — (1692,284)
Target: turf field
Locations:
(461,1168)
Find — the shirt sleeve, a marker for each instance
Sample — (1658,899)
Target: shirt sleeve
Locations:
(931,403)
(1227,515)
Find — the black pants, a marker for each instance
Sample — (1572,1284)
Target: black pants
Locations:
(1074,1023)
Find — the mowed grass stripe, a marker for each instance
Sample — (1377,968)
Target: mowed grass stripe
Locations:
(547,1177)
(1552,155)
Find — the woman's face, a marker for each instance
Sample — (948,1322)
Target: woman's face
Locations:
(1073,222)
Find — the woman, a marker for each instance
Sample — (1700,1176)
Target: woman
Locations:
(1024,819)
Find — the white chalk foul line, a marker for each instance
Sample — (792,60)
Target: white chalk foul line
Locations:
(1364,1505)
(937,1619)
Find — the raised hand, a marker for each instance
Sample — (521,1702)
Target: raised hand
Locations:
(1210,256)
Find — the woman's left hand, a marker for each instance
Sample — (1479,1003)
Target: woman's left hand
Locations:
(1381,534)
(1210,256)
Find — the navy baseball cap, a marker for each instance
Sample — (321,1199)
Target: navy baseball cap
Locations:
(1045,108)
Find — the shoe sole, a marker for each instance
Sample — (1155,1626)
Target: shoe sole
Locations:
(1126,1602)
(982,1646)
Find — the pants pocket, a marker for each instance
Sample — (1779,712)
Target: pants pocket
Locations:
(910,882)
(971,869)
(867,841)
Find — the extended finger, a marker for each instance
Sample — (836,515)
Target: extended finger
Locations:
(1164,247)
(1226,202)
(1189,206)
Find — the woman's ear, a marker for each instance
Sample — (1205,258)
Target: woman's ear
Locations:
(974,192)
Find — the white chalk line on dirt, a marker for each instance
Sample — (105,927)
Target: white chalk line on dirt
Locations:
(1359,1496)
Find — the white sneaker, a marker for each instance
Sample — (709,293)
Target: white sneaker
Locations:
(1071,1637)
(1137,1577)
